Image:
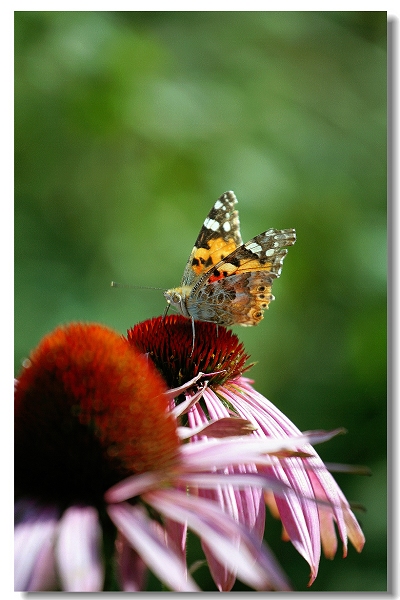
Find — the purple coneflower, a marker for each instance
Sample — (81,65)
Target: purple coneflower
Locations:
(310,501)
(105,486)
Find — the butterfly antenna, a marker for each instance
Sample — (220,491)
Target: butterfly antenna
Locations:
(193,336)
(140,287)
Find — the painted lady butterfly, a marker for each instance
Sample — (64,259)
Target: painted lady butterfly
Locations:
(225,281)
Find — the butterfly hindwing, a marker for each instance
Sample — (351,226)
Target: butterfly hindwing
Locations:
(238,288)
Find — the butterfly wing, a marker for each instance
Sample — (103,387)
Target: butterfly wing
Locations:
(218,238)
(238,288)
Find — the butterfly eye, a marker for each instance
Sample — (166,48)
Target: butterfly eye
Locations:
(176,298)
(172,297)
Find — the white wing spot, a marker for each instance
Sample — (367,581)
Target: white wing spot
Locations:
(211,224)
(253,246)
(226,226)
(218,205)
(270,252)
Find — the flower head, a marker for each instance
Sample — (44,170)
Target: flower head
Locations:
(168,342)
(86,410)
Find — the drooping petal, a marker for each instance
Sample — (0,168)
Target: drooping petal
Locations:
(233,546)
(340,512)
(300,518)
(34,535)
(299,515)
(131,569)
(307,523)
(225,496)
(141,534)
(354,531)
(78,550)
(175,535)
(246,505)
(223,576)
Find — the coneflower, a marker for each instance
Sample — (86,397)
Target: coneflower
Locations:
(310,501)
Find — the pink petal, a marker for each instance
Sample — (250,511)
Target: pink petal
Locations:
(299,515)
(133,486)
(272,422)
(34,536)
(223,577)
(175,536)
(244,505)
(44,577)
(326,488)
(354,531)
(252,449)
(131,567)
(174,392)
(224,427)
(190,401)
(234,547)
(216,409)
(139,531)
(78,550)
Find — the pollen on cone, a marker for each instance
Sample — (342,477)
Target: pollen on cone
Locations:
(89,409)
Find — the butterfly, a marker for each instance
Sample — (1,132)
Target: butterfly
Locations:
(225,281)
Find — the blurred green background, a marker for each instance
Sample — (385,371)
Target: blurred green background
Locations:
(129,125)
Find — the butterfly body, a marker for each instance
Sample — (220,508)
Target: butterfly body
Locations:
(225,281)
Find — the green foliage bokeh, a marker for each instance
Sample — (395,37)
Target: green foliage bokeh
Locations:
(129,125)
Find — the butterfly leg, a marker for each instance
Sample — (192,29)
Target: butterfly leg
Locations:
(165,311)
(193,336)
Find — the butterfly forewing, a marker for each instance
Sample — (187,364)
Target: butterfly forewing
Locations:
(218,237)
